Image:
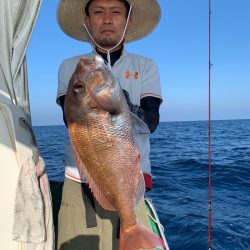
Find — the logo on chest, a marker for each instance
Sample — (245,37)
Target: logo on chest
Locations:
(129,74)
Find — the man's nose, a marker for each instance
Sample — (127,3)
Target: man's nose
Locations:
(107,18)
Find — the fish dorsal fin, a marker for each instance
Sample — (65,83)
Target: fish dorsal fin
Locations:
(99,196)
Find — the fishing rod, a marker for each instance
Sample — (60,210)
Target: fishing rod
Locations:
(209,130)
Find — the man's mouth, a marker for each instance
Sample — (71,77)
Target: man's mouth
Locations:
(107,32)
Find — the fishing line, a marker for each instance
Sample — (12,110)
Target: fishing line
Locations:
(209,130)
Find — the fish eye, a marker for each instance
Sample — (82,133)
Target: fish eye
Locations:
(79,87)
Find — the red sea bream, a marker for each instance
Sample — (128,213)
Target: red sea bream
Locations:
(101,135)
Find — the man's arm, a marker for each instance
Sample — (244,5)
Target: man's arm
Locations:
(150,111)
(61,101)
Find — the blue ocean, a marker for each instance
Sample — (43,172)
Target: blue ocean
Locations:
(179,155)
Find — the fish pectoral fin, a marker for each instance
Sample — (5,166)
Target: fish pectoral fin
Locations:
(99,196)
(137,237)
(139,126)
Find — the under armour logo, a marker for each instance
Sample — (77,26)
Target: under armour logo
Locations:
(128,74)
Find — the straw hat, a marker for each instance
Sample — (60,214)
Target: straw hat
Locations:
(145,17)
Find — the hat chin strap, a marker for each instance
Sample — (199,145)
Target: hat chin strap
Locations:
(122,37)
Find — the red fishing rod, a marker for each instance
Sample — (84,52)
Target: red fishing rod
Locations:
(209,130)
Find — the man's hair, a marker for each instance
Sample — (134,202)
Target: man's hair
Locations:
(127,6)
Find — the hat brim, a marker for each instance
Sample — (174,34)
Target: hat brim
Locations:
(145,16)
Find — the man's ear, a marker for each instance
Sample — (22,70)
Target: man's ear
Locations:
(129,23)
(86,20)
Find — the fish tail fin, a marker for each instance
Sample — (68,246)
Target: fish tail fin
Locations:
(138,236)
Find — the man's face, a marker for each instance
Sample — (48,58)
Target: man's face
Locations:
(106,21)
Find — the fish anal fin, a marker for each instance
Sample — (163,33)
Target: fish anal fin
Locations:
(141,184)
(99,196)
(137,237)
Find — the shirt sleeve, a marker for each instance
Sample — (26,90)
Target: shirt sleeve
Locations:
(151,81)
(65,72)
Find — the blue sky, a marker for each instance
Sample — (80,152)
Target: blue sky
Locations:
(179,46)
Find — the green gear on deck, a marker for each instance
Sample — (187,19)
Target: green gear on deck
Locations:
(153,224)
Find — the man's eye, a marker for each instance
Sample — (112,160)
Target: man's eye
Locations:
(98,12)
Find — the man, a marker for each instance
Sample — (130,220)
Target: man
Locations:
(108,24)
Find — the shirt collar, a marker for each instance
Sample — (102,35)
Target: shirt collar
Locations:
(116,56)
